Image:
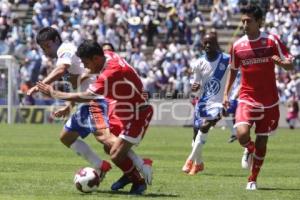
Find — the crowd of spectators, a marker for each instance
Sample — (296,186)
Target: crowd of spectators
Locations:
(159,38)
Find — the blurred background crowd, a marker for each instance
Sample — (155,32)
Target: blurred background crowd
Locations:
(161,39)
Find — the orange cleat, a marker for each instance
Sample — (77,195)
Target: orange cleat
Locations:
(196,168)
(187,166)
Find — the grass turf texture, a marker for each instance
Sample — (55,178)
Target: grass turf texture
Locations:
(35,165)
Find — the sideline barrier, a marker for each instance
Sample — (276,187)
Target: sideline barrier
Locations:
(166,113)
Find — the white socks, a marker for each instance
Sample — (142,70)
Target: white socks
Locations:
(196,154)
(230,124)
(137,161)
(83,150)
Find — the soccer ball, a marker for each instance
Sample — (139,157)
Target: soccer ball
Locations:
(86,180)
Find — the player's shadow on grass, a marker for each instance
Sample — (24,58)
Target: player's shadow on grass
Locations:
(279,189)
(152,195)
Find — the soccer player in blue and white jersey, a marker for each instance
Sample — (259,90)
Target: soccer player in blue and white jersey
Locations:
(70,68)
(209,78)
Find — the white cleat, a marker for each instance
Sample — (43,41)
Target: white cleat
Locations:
(251,186)
(146,171)
(247,159)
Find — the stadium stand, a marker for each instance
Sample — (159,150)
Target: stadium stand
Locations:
(159,38)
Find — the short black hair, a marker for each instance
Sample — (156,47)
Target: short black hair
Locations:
(253,9)
(47,33)
(111,47)
(88,49)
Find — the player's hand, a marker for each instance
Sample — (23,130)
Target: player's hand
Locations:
(195,87)
(276,59)
(226,102)
(45,88)
(32,90)
(62,112)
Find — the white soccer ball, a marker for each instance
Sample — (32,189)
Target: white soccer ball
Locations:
(86,180)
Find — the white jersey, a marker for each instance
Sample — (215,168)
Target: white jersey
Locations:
(212,77)
(66,54)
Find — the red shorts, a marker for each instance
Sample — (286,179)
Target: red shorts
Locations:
(115,124)
(135,128)
(265,119)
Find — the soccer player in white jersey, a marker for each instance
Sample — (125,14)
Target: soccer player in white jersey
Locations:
(69,64)
(209,77)
(68,67)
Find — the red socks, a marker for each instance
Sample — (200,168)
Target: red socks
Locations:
(258,160)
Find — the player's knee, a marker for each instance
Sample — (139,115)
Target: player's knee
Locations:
(205,128)
(242,131)
(65,141)
(261,142)
(116,156)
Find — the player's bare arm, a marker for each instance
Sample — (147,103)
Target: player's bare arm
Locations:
(285,64)
(76,97)
(230,79)
(54,75)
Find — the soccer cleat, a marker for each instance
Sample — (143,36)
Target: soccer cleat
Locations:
(251,185)
(247,159)
(197,168)
(121,183)
(138,189)
(232,139)
(187,166)
(146,171)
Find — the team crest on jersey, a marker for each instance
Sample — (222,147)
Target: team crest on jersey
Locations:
(244,44)
(264,42)
(222,67)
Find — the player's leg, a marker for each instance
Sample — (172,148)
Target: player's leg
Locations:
(244,121)
(212,116)
(135,130)
(243,135)
(89,118)
(196,154)
(230,120)
(258,159)
(118,154)
(144,166)
(264,127)
(70,137)
(196,127)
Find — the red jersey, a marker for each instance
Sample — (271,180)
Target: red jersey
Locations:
(119,81)
(258,83)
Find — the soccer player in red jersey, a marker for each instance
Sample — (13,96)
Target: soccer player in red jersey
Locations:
(256,54)
(118,81)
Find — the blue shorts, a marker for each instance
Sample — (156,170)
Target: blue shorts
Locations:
(201,114)
(233,106)
(89,118)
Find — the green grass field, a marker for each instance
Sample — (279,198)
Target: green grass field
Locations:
(35,165)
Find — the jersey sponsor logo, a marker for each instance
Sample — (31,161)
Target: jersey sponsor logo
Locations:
(255,61)
(211,88)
